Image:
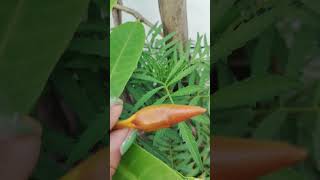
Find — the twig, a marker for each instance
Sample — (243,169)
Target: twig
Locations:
(134,13)
(117,17)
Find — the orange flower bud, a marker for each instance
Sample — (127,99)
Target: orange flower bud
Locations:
(156,117)
(247,159)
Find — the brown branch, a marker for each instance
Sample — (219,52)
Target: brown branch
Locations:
(116,14)
(134,13)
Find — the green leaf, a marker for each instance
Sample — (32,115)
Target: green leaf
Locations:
(304,46)
(226,121)
(47,168)
(261,58)
(191,143)
(182,74)
(148,146)
(187,90)
(92,83)
(270,125)
(90,46)
(195,101)
(33,35)
(312,4)
(73,95)
(251,90)
(202,119)
(138,164)
(93,134)
(175,68)
(145,98)
(146,78)
(231,40)
(56,142)
(225,75)
(220,8)
(127,41)
(161,100)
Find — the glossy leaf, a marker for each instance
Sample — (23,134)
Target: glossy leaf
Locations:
(139,164)
(33,35)
(127,41)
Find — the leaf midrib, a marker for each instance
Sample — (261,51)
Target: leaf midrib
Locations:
(121,52)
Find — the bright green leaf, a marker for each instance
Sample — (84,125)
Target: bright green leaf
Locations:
(127,41)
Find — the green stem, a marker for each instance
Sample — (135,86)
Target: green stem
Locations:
(169,95)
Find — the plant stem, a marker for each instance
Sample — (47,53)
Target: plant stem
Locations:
(134,13)
(169,95)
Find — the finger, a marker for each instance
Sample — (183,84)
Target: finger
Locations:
(116,139)
(20,148)
(115,111)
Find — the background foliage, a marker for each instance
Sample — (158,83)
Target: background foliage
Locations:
(166,73)
(72,107)
(265,65)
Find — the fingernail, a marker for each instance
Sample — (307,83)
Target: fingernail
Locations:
(115,101)
(128,142)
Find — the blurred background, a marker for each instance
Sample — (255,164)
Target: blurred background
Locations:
(198,15)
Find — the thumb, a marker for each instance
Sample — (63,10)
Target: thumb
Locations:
(115,110)
(116,139)
(20,147)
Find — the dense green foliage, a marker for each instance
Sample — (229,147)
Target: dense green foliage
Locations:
(74,122)
(166,73)
(266,87)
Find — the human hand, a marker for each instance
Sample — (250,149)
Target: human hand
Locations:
(20,140)
(117,137)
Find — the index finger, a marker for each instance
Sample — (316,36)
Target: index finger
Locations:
(115,111)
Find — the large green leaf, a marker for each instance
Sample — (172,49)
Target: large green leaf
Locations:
(33,35)
(138,164)
(127,41)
